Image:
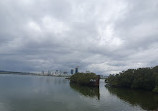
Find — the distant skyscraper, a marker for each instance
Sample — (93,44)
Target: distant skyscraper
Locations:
(56,72)
(72,71)
(64,72)
(76,70)
(42,72)
(49,73)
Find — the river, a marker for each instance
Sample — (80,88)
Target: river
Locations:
(46,93)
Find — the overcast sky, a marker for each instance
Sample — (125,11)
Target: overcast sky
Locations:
(103,36)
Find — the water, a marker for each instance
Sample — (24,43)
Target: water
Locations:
(45,93)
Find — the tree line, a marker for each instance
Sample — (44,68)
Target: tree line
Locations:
(141,78)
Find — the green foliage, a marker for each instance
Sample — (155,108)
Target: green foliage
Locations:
(155,89)
(141,78)
(83,78)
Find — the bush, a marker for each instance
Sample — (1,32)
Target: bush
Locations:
(83,78)
(155,89)
(141,78)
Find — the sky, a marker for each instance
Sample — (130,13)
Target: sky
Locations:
(102,36)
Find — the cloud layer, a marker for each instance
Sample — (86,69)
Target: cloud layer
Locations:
(103,36)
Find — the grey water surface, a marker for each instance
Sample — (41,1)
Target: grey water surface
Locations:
(47,93)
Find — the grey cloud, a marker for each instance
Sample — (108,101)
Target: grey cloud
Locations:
(104,36)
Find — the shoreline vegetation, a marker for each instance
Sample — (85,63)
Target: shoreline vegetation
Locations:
(141,78)
(85,79)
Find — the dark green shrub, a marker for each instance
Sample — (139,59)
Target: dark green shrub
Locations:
(141,78)
(83,78)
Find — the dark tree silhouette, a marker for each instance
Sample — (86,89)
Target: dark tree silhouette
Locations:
(141,78)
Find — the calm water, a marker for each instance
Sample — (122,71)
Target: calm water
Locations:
(39,93)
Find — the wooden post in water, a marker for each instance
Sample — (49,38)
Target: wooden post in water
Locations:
(97,84)
(97,80)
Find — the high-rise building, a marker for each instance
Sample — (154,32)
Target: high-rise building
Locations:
(49,73)
(42,72)
(76,70)
(72,71)
(64,72)
(56,72)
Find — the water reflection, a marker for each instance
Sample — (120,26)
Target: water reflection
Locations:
(86,91)
(146,100)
